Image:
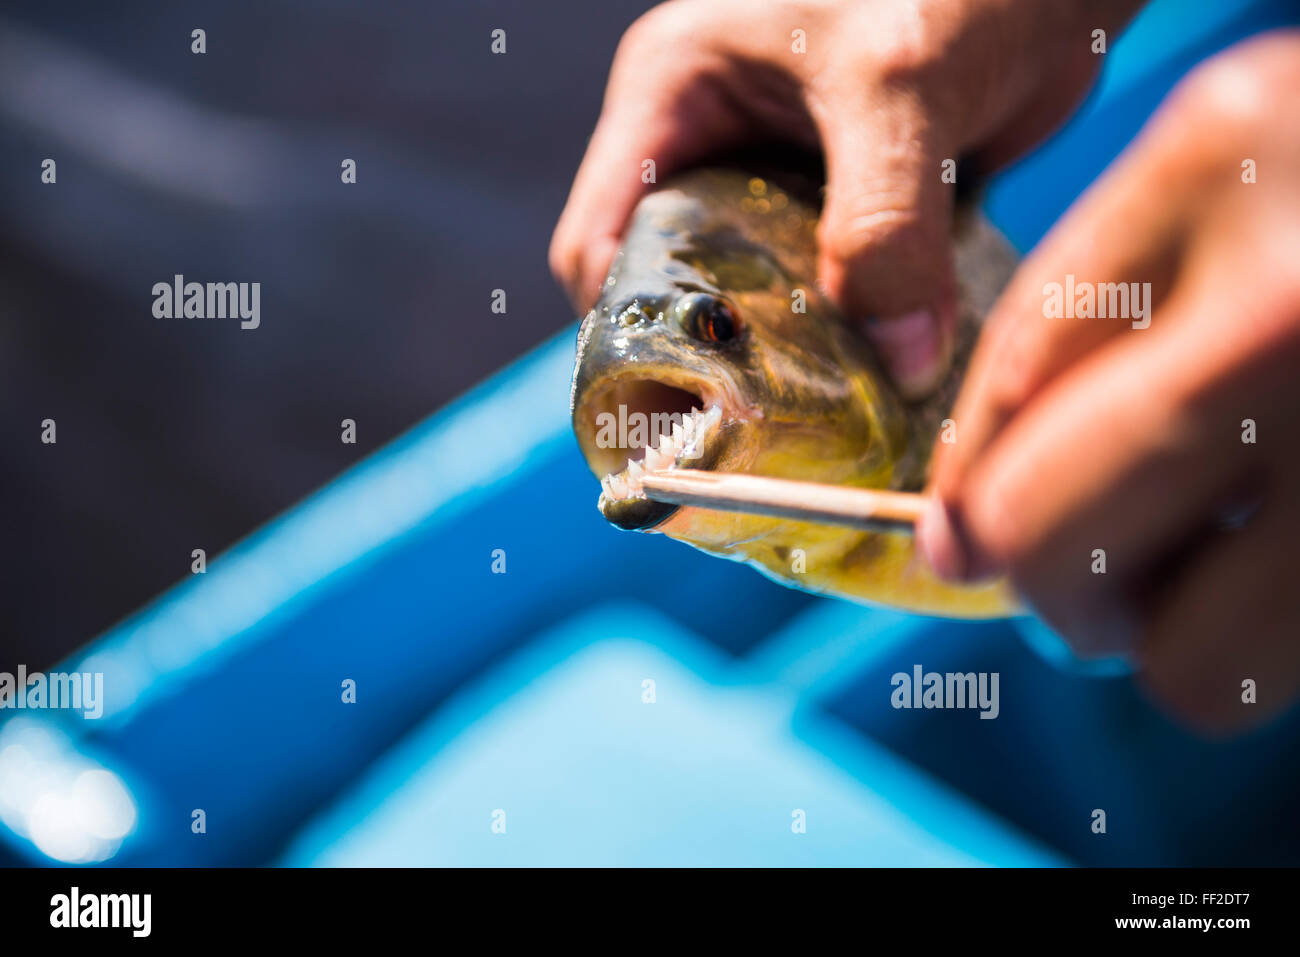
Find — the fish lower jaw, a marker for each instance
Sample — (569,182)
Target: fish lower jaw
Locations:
(686,443)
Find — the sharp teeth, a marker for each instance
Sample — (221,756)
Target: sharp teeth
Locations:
(688,432)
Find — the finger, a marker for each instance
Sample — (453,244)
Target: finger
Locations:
(1230,620)
(1109,469)
(1050,314)
(1041,324)
(675,95)
(885,234)
(669,127)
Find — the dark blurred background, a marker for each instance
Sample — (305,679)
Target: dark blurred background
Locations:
(173,434)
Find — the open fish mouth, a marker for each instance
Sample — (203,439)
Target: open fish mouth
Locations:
(645,425)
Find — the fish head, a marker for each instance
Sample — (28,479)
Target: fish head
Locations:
(710,347)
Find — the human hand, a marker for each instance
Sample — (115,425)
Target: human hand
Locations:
(1083,434)
(888,90)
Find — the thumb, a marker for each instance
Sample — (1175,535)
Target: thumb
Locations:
(885,236)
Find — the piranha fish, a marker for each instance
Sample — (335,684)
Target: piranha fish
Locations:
(710,347)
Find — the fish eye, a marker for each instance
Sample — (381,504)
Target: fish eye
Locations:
(707,318)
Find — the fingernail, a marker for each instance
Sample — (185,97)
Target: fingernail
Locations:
(911,348)
(939,544)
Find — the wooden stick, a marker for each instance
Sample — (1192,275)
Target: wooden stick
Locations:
(871,509)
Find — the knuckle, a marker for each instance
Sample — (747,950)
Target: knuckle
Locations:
(665,55)
(663,24)
(907,53)
(640,31)
(871,222)
(908,62)
(1228,104)
(913,50)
